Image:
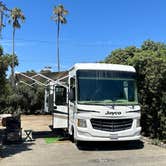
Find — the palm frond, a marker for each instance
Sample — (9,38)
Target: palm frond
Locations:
(58,14)
(63,20)
(65,12)
(16,15)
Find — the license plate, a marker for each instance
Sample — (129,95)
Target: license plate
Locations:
(114,136)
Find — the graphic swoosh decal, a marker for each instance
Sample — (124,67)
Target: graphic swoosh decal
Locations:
(81,111)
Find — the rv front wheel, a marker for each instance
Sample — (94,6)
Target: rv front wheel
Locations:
(71,136)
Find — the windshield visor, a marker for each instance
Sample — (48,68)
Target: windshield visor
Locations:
(106,87)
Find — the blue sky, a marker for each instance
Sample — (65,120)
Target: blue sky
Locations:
(94,29)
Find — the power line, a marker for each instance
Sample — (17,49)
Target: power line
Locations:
(38,41)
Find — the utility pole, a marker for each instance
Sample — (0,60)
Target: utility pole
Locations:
(3,10)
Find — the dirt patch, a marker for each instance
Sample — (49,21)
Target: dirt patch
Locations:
(36,122)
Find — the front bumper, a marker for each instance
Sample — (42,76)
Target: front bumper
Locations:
(90,134)
(101,136)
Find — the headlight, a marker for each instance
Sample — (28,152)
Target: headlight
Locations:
(138,123)
(81,123)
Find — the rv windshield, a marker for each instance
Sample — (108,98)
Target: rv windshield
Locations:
(106,87)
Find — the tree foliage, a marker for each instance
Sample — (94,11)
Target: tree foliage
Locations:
(30,100)
(150,64)
(20,97)
(5,61)
(59,13)
(25,99)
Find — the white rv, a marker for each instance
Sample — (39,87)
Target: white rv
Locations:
(97,102)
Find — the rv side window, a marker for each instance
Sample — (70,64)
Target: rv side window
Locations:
(72,89)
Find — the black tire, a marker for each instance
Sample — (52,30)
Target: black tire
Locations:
(79,144)
(72,136)
(4,139)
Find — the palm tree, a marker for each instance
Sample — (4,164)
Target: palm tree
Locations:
(3,12)
(16,15)
(58,16)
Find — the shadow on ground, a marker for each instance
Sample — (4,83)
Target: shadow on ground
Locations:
(91,146)
(12,149)
(110,146)
(47,134)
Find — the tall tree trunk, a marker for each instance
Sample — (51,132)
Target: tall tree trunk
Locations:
(1,20)
(13,59)
(58,59)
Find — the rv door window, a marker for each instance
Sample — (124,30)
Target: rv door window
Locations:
(60,95)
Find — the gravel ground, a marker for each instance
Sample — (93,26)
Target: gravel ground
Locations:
(65,153)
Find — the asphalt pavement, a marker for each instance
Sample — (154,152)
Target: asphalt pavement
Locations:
(66,153)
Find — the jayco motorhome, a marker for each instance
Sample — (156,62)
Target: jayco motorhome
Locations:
(96,102)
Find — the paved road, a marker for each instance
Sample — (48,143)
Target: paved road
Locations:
(38,153)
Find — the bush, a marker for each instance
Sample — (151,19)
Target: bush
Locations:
(150,64)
